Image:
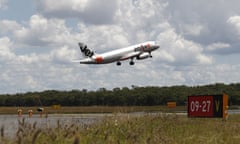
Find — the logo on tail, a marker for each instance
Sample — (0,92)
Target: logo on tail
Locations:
(86,52)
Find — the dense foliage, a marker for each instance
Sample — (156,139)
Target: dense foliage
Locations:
(138,96)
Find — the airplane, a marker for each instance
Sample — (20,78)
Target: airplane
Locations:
(138,51)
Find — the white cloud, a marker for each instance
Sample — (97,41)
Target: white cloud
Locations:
(165,56)
(204,59)
(223,73)
(207,22)
(192,29)
(15,73)
(63,55)
(180,51)
(89,11)
(6,53)
(61,5)
(44,32)
(103,36)
(141,19)
(217,46)
(8,26)
(235,21)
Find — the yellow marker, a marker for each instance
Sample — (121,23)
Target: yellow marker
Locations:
(19,111)
(30,112)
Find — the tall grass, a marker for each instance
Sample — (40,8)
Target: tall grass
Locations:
(138,129)
(164,129)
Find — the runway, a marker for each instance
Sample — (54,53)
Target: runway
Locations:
(10,123)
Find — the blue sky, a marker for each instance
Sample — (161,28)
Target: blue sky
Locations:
(38,39)
(18,10)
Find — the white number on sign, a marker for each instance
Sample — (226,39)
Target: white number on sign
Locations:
(195,106)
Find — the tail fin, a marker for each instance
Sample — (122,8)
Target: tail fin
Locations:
(85,51)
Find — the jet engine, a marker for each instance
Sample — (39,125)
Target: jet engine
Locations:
(143,56)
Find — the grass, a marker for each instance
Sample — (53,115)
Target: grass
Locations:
(133,129)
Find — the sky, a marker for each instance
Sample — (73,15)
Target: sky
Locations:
(199,43)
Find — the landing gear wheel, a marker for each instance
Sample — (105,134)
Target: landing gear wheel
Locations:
(118,63)
(150,55)
(131,63)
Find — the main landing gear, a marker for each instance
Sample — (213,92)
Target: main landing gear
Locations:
(150,55)
(130,63)
(119,63)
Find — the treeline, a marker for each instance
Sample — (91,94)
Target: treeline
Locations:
(137,96)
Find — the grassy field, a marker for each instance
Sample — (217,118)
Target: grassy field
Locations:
(145,129)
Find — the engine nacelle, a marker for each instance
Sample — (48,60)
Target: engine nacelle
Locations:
(143,56)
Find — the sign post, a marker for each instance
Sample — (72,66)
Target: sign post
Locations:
(208,106)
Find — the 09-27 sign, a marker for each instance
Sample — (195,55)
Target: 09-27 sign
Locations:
(208,106)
